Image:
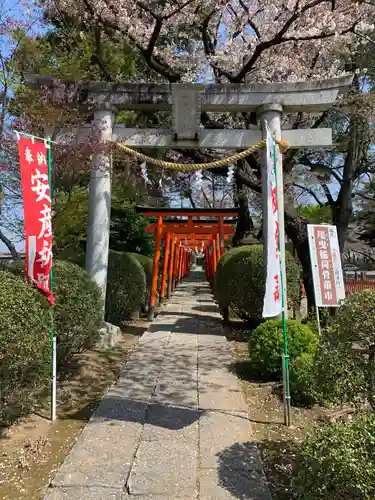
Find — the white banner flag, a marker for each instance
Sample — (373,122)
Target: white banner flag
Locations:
(272,299)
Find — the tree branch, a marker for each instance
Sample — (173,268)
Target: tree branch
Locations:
(150,59)
(279,39)
(10,246)
(154,38)
(206,199)
(245,179)
(97,56)
(328,194)
(310,191)
(179,9)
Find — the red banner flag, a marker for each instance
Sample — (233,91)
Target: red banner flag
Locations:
(37,213)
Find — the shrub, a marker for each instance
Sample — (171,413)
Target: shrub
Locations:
(266,345)
(126,287)
(78,309)
(303,389)
(24,346)
(338,462)
(240,284)
(147,264)
(346,364)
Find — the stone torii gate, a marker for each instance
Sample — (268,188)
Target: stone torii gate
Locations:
(187,102)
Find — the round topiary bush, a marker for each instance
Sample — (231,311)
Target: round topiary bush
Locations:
(126,287)
(266,345)
(24,346)
(240,283)
(78,309)
(224,257)
(147,264)
(338,462)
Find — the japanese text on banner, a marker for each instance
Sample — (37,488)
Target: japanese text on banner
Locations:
(37,213)
(325,267)
(272,300)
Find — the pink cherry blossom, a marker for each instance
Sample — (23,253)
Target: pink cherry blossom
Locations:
(233,40)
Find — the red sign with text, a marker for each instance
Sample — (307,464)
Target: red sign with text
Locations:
(325,266)
(329,288)
(37,213)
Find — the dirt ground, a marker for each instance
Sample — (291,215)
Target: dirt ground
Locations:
(278,444)
(32,450)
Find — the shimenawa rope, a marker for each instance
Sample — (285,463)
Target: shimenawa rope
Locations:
(194,167)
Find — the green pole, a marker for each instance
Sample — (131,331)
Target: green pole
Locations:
(52,329)
(285,354)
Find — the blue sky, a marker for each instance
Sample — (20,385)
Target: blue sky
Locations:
(15,10)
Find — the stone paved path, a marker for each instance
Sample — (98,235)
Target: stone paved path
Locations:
(175,425)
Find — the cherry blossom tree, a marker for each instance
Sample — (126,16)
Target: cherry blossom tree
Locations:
(232,40)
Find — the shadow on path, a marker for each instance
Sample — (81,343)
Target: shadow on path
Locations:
(240,472)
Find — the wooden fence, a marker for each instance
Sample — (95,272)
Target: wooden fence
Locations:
(354,286)
(351,286)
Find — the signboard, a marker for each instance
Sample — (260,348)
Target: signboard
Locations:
(37,213)
(326,267)
(272,305)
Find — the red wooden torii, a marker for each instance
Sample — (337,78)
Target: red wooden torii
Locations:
(180,236)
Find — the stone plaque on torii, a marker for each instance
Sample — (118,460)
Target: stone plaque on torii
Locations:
(186,102)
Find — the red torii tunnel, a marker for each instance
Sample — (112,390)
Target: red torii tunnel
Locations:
(180,237)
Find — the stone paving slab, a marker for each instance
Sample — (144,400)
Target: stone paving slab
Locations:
(158,497)
(178,395)
(171,423)
(83,493)
(175,424)
(231,401)
(222,436)
(99,458)
(165,468)
(228,484)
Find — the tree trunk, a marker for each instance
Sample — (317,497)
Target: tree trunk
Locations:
(296,230)
(10,246)
(357,149)
(245,225)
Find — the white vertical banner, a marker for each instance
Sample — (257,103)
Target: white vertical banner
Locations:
(272,299)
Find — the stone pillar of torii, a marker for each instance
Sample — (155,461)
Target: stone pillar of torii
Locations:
(186,103)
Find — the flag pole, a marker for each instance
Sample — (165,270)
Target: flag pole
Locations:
(285,354)
(53,342)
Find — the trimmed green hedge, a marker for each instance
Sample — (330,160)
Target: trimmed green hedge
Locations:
(126,287)
(240,282)
(78,309)
(25,321)
(147,264)
(24,346)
